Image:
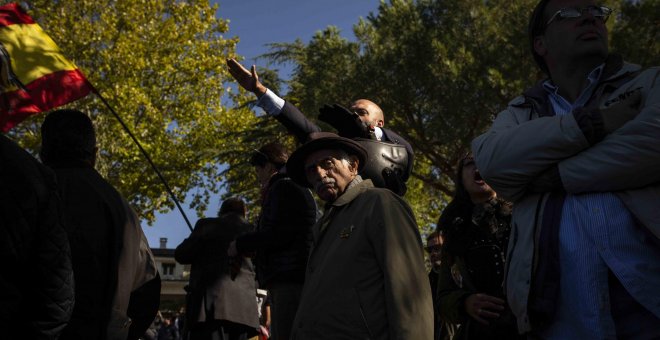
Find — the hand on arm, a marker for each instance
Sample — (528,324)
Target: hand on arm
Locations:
(626,109)
(248,79)
(482,307)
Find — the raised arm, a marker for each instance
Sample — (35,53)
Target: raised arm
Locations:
(248,79)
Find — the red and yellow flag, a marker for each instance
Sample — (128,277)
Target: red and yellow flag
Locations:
(35,76)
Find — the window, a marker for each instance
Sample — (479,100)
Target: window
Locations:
(168,269)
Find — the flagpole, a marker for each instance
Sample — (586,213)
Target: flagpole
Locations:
(144,152)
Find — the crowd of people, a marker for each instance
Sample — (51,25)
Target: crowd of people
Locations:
(552,232)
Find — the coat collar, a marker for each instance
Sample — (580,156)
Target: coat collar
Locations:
(537,97)
(352,192)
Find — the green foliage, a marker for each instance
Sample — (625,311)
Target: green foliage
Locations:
(161,65)
(440,70)
(636,33)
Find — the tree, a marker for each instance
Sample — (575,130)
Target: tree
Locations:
(440,70)
(161,65)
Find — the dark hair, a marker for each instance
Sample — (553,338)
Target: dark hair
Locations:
(535,28)
(432,235)
(452,221)
(234,205)
(272,152)
(67,135)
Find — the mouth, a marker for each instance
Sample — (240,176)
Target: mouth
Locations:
(590,35)
(477,178)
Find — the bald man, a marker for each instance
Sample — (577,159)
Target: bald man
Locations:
(299,125)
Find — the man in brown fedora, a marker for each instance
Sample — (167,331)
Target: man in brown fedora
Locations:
(365,275)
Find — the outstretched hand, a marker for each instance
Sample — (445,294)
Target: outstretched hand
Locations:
(248,79)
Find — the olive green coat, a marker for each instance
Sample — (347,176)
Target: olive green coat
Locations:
(365,277)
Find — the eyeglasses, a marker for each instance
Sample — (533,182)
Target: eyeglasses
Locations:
(600,12)
(433,249)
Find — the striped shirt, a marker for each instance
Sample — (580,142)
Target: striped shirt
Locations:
(598,235)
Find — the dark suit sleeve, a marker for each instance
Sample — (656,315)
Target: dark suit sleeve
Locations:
(450,297)
(143,307)
(191,247)
(296,122)
(291,209)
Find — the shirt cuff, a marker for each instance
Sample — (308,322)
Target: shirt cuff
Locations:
(271,103)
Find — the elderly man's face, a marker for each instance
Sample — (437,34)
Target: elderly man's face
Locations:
(328,174)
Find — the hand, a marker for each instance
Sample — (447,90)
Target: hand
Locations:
(622,111)
(347,123)
(232,250)
(248,80)
(482,307)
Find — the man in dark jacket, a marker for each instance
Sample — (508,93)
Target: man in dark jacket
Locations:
(113,265)
(283,237)
(363,121)
(36,288)
(223,302)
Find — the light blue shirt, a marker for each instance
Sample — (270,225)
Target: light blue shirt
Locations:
(597,233)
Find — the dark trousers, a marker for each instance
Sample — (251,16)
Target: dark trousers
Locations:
(221,330)
(284,301)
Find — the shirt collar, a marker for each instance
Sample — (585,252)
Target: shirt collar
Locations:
(593,77)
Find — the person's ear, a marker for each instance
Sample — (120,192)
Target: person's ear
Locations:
(540,46)
(354,163)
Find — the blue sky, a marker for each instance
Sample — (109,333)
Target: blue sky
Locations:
(257,23)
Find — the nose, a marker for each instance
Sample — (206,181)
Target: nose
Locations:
(315,173)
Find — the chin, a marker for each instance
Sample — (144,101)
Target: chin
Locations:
(327,195)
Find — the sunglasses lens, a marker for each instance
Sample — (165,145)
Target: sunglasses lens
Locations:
(569,13)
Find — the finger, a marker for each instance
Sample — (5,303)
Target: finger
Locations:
(254,72)
(480,320)
(491,306)
(492,299)
(488,314)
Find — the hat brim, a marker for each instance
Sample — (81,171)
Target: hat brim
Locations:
(321,141)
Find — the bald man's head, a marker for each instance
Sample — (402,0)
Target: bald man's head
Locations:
(369,112)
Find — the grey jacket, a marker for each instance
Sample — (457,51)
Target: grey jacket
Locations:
(625,162)
(365,276)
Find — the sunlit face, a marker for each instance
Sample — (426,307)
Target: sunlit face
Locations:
(328,174)
(472,181)
(567,39)
(369,112)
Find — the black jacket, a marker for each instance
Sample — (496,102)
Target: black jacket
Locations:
(227,298)
(36,289)
(95,216)
(297,124)
(283,237)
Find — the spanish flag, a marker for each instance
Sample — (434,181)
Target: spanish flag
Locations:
(34,75)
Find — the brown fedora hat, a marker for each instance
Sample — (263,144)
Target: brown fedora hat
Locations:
(319,141)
